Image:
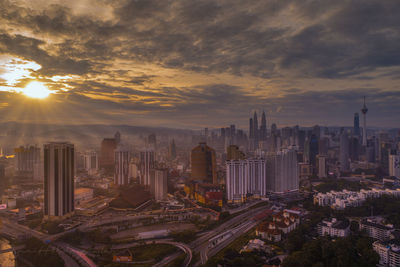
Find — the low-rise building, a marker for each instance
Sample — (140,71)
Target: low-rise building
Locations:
(376,230)
(282,223)
(389,252)
(334,228)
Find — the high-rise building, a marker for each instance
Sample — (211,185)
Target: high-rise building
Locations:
(255,125)
(364,111)
(160,184)
(344,152)
(58,179)
(321,160)
(203,164)
(233,153)
(245,177)
(257,177)
(263,128)
(236,180)
(121,169)
(147,164)
(251,128)
(394,165)
(313,149)
(356,130)
(26,158)
(91,162)
(283,173)
(2,172)
(172,150)
(106,160)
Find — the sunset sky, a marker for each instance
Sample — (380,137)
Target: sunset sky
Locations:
(192,64)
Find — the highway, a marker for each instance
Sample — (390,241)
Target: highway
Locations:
(242,223)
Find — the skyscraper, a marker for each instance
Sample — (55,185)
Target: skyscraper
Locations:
(160,184)
(255,128)
(394,165)
(344,152)
(121,169)
(283,174)
(91,162)
(245,177)
(364,111)
(58,179)
(263,128)
(172,150)
(203,164)
(251,129)
(106,160)
(356,124)
(233,153)
(146,166)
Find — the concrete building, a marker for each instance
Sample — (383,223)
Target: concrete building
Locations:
(343,199)
(26,158)
(236,180)
(376,230)
(334,228)
(389,253)
(58,179)
(245,178)
(321,166)
(146,165)
(203,164)
(91,162)
(344,152)
(121,171)
(283,173)
(160,184)
(394,165)
(106,160)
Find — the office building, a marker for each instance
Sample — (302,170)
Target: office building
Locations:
(146,166)
(91,162)
(364,111)
(203,164)
(58,179)
(26,158)
(356,128)
(344,152)
(321,166)
(121,169)
(160,184)
(283,173)
(106,160)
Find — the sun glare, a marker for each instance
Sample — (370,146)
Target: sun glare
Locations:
(36,90)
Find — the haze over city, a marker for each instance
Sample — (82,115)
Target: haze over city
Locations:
(207,133)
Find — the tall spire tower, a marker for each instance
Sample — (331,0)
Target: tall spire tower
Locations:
(263,128)
(364,111)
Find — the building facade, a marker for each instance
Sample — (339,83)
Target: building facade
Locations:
(203,164)
(58,179)
(283,173)
(121,171)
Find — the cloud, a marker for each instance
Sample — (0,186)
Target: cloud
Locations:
(176,59)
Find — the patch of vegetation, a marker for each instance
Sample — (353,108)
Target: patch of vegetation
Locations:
(40,254)
(186,236)
(52,227)
(339,184)
(351,251)
(153,251)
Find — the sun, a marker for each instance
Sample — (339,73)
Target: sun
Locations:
(36,90)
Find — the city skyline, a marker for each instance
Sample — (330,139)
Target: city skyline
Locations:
(176,64)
